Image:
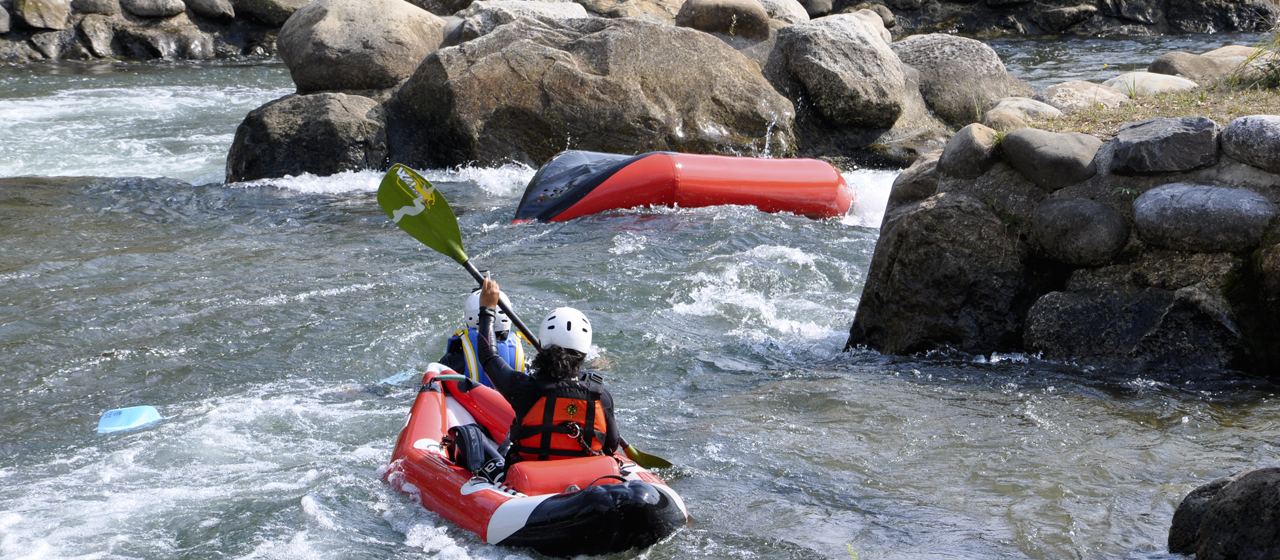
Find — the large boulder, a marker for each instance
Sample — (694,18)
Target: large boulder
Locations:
(1165,145)
(1052,159)
(1136,84)
(1057,20)
(1235,517)
(1254,140)
(321,134)
(531,89)
(43,14)
(154,8)
(483,16)
(271,12)
(357,44)
(99,33)
(959,77)
(1202,218)
(847,69)
(945,272)
(1029,110)
(920,181)
(739,18)
(1002,120)
(1164,310)
(1078,231)
(1076,95)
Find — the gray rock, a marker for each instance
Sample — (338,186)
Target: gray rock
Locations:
(1165,145)
(1202,218)
(483,16)
(1003,121)
(886,15)
(1140,11)
(270,12)
(51,44)
(1239,517)
(1184,531)
(787,11)
(1053,160)
(531,89)
(1158,312)
(744,18)
(43,14)
(970,153)
(103,7)
(1078,231)
(99,33)
(176,39)
(1028,109)
(1254,140)
(154,8)
(915,183)
(849,72)
(1057,20)
(1269,270)
(1136,84)
(4,20)
(1010,194)
(654,11)
(1202,70)
(1071,96)
(875,23)
(357,44)
(321,134)
(959,77)
(945,272)
(816,8)
(212,9)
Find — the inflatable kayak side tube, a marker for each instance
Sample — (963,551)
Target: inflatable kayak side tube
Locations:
(599,520)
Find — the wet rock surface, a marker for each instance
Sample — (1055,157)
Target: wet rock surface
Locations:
(322,134)
(1237,516)
(1165,145)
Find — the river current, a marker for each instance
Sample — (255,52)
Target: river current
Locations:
(276,326)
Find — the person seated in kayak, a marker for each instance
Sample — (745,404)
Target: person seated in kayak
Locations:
(561,410)
(460,352)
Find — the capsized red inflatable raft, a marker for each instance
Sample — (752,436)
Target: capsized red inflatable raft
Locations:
(566,507)
(577,183)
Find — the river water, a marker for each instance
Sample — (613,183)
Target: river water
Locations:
(274,325)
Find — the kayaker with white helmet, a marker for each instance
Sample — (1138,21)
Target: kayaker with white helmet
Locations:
(460,352)
(561,410)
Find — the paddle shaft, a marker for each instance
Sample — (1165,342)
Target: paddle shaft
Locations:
(510,314)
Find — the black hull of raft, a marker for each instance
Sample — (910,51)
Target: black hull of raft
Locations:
(577,183)
(600,520)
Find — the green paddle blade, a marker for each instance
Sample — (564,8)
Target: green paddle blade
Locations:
(421,211)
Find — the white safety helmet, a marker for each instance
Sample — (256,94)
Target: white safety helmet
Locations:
(501,323)
(566,327)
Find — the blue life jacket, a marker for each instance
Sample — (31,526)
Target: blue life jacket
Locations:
(510,349)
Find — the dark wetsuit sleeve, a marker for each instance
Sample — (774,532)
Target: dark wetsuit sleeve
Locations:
(519,389)
(611,437)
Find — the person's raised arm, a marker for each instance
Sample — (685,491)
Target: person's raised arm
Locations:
(503,376)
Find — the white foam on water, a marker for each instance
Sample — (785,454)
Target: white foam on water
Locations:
(871,190)
(338,183)
(505,180)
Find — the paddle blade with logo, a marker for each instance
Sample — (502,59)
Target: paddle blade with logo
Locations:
(421,211)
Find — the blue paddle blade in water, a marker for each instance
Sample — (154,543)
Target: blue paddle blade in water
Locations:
(122,419)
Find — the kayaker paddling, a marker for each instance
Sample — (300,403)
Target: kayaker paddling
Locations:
(561,410)
(461,351)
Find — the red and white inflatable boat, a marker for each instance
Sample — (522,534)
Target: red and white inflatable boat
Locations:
(577,183)
(566,507)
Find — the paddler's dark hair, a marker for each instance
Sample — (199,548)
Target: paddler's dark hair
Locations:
(557,362)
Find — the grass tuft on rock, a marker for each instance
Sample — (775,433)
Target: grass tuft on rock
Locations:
(1234,97)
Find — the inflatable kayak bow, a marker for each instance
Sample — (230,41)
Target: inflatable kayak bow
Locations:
(577,183)
(566,507)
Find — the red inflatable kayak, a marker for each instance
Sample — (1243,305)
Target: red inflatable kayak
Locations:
(566,507)
(577,183)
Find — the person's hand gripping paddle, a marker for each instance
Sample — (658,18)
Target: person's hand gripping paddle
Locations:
(421,211)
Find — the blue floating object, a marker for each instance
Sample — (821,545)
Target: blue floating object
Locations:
(122,419)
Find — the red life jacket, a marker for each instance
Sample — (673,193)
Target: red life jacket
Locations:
(568,421)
